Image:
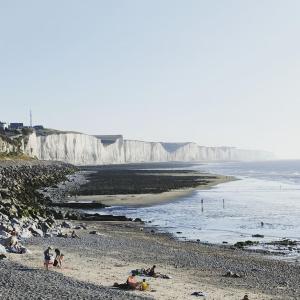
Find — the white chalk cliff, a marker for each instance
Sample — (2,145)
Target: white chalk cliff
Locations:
(82,149)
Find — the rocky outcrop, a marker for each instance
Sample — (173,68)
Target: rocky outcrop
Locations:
(82,149)
(19,182)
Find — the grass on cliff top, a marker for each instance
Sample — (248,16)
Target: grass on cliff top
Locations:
(13,156)
(48,131)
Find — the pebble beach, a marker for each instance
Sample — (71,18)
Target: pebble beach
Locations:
(96,261)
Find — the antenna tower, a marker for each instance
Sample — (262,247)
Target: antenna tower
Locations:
(30,115)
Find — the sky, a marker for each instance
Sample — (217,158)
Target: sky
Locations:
(219,73)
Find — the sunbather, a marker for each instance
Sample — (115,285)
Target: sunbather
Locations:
(132,282)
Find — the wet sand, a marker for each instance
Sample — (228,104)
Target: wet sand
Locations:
(140,200)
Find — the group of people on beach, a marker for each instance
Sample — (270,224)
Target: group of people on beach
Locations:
(132,282)
(51,260)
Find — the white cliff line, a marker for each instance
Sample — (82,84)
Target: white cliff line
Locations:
(82,149)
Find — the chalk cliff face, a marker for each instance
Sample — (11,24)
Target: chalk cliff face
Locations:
(6,146)
(82,149)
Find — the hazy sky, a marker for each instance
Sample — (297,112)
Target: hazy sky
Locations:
(214,72)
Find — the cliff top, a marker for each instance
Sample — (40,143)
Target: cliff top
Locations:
(48,131)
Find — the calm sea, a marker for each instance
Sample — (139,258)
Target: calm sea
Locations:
(267,192)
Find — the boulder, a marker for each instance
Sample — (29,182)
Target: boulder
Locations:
(35,231)
(66,224)
(25,234)
(2,249)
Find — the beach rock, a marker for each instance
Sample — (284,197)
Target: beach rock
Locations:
(232,274)
(95,232)
(66,224)
(138,220)
(15,221)
(36,232)
(97,217)
(79,205)
(244,244)
(258,235)
(25,233)
(2,249)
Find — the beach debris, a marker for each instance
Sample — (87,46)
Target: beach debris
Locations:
(245,244)
(246,297)
(232,274)
(284,242)
(199,294)
(258,235)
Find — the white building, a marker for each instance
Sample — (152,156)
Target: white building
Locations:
(3,125)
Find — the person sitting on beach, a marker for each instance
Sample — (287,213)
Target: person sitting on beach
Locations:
(151,272)
(48,257)
(132,282)
(144,286)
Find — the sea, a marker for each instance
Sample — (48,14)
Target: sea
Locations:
(264,199)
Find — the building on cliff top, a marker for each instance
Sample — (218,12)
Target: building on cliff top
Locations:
(3,125)
(109,139)
(14,126)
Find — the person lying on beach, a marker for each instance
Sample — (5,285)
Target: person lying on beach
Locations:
(132,282)
(47,257)
(152,273)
